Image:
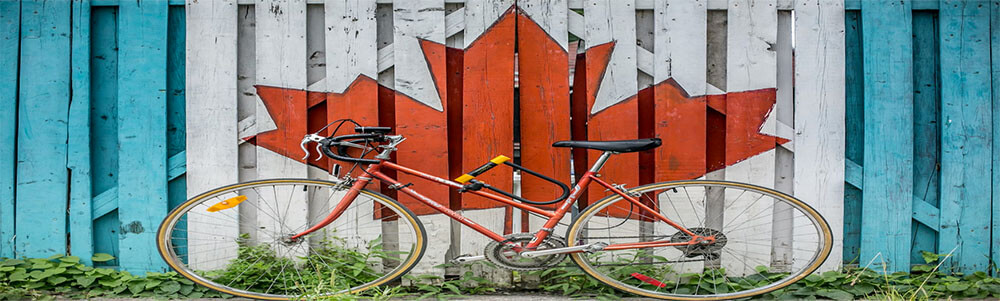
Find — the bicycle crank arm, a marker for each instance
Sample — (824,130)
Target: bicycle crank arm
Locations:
(468,259)
(581,248)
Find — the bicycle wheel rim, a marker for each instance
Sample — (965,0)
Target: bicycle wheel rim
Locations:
(824,242)
(405,218)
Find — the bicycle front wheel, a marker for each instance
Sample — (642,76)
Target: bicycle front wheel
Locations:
(763,240)
(238,240)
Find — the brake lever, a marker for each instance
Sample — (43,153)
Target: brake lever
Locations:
(311,138)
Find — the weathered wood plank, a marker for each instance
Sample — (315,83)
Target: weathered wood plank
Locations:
(926,131)
(9,42)
(43,106)
(543,71)
(104,126)
(420,114)
(211,120)
(351,62)
(855,126)
(612,85)
(995,55)
(280,48)
(751,66)
(888,111)
(966,129)
(819,117)
(81,236)
(142,118)
(680,87)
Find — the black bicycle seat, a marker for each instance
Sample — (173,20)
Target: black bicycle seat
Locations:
(619,146)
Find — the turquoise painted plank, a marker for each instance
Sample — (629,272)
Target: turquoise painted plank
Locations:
(855,121)
(888,102)
(105,203)
(43,108)
(104,124)
(10,20)
(995,54)
(927,215)
(966,134)
(176,142)
(81,233)
(115,2)
(854,174)
(925,127)
(142,135)
(917,4)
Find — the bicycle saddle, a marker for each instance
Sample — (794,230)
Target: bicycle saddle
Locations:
(619,146)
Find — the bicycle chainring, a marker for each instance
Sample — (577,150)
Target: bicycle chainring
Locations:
(500,253)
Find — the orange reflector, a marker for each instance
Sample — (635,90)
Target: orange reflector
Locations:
(230,203)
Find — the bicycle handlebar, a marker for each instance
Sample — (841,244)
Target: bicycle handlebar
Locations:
(327,143)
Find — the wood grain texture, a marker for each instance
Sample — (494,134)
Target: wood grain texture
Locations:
(351,62)
(211,119)
(281,54)
(966,129)
(819,116)
(142,116)
(420,92)
(888,156)
(680,103)
(43,106)
(926,128)
(81,235)
(855,127)
(9,44)
(104,127)
(995,62)
(611,85)
(543,71)
(488,93)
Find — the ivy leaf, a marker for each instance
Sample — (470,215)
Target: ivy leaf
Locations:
(957,287)
(102,257)
(71,259)
(835,294)
(85,281)
(56,280)
(170,287)
(929,257)
(110,282)
(136,288)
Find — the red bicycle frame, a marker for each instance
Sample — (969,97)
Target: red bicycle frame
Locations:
(554,216)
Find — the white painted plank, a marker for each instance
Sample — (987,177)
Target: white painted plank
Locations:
(481,14)
(246,70)
(819,113)
(211,133)
(680,43)
(414,21)
(351,47)
(613,21)
(553,17)
(783,221)
(751,64)
(281,62)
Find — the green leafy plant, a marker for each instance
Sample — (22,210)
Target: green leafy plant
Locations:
(65,276)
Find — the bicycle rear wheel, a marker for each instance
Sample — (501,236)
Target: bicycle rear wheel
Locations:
(237,240)
(764,240)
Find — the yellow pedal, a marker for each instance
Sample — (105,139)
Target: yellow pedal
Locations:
(229,203)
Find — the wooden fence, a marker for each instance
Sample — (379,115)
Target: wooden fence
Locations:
(106,104)
(714,79)
(922,97)
(92,104)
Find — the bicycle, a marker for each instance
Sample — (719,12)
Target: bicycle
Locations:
(365,239)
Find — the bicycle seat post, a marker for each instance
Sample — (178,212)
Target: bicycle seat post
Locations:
(600,161)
